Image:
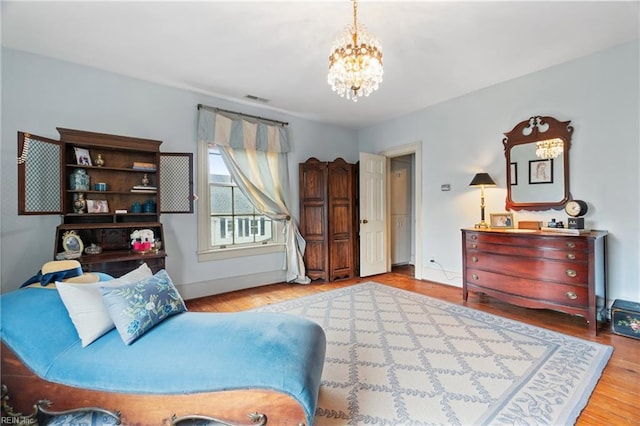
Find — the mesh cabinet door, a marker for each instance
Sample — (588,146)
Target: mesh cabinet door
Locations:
(176,183)
(40,186)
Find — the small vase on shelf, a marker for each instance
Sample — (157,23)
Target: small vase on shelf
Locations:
(80,204)
(79,180)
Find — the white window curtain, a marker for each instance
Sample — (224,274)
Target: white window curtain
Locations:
(255,153)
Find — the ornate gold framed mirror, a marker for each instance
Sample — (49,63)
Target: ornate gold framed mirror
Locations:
(537,154)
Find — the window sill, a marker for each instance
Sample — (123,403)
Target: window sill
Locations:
(235,252)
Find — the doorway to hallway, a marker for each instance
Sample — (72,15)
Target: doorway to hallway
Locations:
(405,246)
(401,210)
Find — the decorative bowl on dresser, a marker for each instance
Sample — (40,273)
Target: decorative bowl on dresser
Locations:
(537,269)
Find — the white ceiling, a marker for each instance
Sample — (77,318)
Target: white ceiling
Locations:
(433,51)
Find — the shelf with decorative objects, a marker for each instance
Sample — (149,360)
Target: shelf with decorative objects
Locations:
(106,188)
(111,248)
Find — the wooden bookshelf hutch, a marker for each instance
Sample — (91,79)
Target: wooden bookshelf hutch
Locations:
(48,184)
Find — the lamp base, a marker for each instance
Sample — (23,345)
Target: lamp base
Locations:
(481,225)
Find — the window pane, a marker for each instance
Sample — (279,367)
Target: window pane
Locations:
(241,204)
(217,170)
(242,231)
(221,230)
(220,197)
(265,226)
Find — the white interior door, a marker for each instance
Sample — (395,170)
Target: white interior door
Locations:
(373,211)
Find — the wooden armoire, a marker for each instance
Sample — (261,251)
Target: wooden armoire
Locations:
(329,218)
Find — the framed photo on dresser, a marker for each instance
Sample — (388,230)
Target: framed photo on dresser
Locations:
(502,220)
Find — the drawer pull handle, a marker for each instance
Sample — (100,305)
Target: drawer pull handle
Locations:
(571,295)
(474,276)
(571,256)
(571,273)
(474,237)
(571,244)
(474,245)
(474,259)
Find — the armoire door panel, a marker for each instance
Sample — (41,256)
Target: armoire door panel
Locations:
(315,258)
(314,185)
(339,180)
(340,220)
(315,252)
(339,186)
(313,180)
(312,224)
(341,259)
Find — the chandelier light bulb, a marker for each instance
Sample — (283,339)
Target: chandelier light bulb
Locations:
(355,62)
(550,148)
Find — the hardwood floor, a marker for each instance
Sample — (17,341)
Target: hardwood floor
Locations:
(615,400)
(403,269)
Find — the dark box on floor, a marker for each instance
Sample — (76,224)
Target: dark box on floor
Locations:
(625,318)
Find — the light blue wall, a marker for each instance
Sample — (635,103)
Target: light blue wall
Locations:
(598,93)
(40,94)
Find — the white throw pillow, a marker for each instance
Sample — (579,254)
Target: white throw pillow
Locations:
(86,307)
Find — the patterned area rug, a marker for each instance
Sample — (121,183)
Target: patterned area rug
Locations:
(399,358)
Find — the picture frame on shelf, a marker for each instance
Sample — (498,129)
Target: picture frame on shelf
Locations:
(501,220)
(541,171)
(97,206)
(82,157)
(71,242)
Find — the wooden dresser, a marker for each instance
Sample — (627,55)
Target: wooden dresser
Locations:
(536,269)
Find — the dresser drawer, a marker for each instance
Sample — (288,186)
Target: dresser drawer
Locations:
(534,252)
(532,268)
(561,294)
(551,242)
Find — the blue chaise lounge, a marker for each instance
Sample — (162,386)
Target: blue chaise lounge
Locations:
(225,365)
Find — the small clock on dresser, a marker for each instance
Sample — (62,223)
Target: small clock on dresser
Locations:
(575,209)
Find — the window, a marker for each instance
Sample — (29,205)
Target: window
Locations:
(231,221)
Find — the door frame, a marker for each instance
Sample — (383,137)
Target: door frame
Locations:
(414,148)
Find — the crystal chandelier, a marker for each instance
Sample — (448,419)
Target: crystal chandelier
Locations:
(355,62)
(549,148)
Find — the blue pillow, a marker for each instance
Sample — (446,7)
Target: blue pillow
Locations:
(137,308)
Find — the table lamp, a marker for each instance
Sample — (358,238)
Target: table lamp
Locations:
(482,180)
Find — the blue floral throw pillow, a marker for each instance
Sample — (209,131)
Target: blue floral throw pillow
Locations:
(136,308)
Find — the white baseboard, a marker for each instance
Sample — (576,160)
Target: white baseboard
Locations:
(225,285)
